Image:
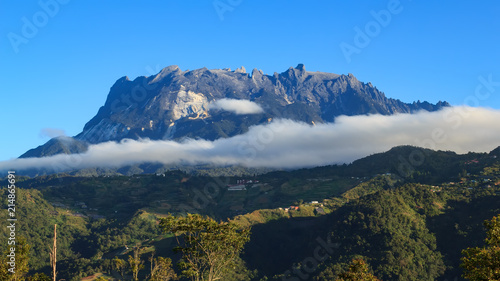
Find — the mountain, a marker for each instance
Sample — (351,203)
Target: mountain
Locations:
(57,145)
(176,104)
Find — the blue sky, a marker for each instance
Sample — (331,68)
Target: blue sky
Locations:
(59,58)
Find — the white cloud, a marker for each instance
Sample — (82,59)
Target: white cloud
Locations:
(51,133)
(237,106)
(289,144)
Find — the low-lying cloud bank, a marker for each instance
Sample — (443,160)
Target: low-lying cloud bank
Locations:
(237,106)
(289,144)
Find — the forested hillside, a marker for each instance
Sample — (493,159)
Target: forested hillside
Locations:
(408,220)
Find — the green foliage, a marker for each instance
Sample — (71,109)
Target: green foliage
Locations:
(483,263)
(119,265)
(39,277)
(411,224)
(161,270)
(18,271)
(135,263)
(387,227)
(108,235)
(369,187)
(260,216)
(19,257)
(358,271)
(209,248)
(240,272)
(36,222)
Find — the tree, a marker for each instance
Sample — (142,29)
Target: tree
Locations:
(135,263)
(53,255)
(209,248)
(21,255)
(119,266)
(358,271)
(484,263)
(161,270)
(107,265)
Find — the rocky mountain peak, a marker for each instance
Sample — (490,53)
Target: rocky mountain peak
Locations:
(241,70)
(175,104)
(257,74)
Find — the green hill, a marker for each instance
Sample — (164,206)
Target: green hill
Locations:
(407,224)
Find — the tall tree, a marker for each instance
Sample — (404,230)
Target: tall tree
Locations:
(135,263)
(119,266)
(484,263)
(161,270)
(209,248)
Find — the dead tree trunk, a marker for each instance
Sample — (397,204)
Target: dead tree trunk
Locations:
(53,255)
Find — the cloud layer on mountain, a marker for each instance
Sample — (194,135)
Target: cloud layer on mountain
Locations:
(289,144)
(237,106)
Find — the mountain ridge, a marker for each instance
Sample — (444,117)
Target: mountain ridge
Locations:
(176,104)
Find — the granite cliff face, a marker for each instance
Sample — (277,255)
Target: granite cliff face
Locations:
(175,104)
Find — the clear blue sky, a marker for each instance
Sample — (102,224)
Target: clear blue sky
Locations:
(59,74)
